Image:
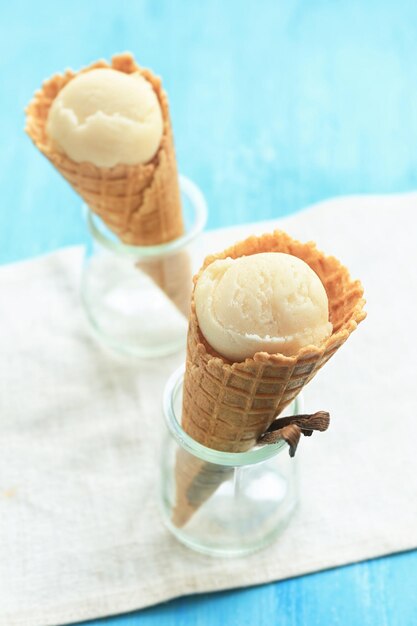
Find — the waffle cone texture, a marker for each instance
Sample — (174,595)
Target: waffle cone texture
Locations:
(228,406)
(139,203)
(173,275)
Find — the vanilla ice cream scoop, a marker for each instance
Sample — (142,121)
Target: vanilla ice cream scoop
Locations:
(269,302)
(106,117)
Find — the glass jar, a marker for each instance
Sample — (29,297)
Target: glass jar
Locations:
(137,297)
(220,503)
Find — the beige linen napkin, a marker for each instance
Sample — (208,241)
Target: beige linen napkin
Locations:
(80,430)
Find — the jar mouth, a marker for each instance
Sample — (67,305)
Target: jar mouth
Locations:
(197,208)
(172,404)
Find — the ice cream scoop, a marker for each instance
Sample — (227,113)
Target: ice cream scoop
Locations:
(106,117)
(269,302)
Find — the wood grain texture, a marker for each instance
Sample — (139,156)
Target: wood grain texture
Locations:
(275,105)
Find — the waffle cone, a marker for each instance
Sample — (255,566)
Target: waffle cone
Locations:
(228,406)
(173,275)
(139,203)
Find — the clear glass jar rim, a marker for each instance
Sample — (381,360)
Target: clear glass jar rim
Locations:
(187,188)
(233,459)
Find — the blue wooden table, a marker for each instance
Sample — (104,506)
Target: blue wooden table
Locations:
(275,105)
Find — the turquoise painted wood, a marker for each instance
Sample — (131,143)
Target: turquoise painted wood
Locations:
(275,105)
